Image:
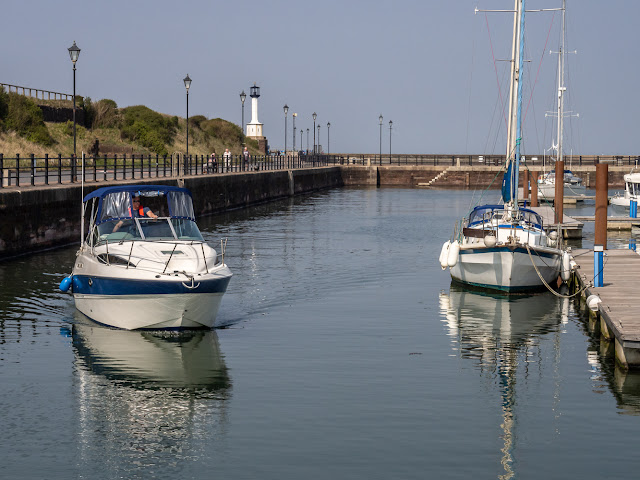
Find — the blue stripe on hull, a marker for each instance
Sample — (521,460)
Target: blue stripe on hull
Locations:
(119,286)
(536,253)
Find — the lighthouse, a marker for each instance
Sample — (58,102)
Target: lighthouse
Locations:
(254,128)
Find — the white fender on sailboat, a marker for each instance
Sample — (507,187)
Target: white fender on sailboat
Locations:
(490,240)
(566,266)
(454,251)
(444,254)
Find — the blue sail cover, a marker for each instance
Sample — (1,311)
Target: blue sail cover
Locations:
(507,184)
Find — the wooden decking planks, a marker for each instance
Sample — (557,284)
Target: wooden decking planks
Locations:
(620,294)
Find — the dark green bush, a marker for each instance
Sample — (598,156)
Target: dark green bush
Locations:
(148,128)
(25,117)
(196,120)
(68,129)
(105,114)
(226,131)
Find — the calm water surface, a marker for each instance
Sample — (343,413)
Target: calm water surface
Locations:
(347,354)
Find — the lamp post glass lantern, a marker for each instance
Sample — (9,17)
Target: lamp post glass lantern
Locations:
(187,84)
(286,110)
(243,97)
(74,53)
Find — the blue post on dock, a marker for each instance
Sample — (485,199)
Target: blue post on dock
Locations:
(633,209)
(598,254)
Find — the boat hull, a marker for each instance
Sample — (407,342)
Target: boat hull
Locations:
(507,268)
(167,311)
(620,205)
(141,298)
(548,191)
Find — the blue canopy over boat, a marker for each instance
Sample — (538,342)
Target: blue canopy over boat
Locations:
(161,189)
(114,202)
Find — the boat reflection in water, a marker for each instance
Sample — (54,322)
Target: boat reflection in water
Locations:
(503,335)
(148,401)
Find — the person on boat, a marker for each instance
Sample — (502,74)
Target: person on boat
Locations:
(138,211)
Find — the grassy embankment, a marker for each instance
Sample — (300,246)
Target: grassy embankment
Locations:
(137,129)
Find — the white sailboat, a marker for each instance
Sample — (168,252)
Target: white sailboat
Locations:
(505,247)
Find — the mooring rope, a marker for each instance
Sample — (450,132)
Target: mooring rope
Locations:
(546,284)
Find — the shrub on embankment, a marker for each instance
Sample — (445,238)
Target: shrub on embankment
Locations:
(21,115)
(107,128)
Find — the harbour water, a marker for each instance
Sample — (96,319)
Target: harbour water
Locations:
(347,354)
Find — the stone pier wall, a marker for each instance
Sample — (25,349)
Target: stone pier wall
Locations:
(33,219)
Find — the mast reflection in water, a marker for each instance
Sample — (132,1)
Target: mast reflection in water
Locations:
(502,334)
(146,399)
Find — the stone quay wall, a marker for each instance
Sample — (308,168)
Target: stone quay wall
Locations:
(471,177)
(35,219)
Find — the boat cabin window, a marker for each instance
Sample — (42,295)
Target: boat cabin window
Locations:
(482,215)
(117,223)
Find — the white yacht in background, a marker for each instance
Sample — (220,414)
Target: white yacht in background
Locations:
(573,186)
(141,271)
(620,202)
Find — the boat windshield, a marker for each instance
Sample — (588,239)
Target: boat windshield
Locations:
(149,229)
(633,188)
(487,213)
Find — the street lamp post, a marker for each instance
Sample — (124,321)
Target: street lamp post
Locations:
(187,84)
(307,140)
(301,133)
(390,127)
(314,132)
(74,53)
(328,144)
(294,115)
(380,118)
(243,97)
(286,110)
(318,139)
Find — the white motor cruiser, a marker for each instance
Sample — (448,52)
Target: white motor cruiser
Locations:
(137,270)
(620,203)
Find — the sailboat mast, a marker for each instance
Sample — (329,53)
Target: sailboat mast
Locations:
(520,61)
(512,87)
(561,90)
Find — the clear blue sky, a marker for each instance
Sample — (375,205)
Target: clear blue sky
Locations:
(427,65)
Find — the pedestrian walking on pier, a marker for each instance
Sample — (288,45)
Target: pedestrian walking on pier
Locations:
(247,157)
(227,159)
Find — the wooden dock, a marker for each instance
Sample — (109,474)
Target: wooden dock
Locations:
(613,223)
(616,317)
(571,227)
